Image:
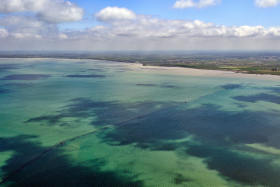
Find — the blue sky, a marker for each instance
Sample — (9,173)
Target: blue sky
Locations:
(140,24)
(228,12)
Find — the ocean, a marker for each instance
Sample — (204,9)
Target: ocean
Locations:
(101,123)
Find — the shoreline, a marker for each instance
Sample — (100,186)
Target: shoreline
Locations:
(206,72)
(175,70)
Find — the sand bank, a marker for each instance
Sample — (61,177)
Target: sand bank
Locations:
(201,72)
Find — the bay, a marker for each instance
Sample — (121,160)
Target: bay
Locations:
(101,123)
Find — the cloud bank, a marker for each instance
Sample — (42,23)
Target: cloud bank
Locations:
(266,3)
(52,11)
(181,4)
(126,23)
(23,27)
(41,23)
(121,28)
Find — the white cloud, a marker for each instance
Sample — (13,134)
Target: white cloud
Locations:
(127,24)
(3,33)
(63,36)
(115,13)
(27,27)
(53,11)
(266,3)
(152,28)
(132,31)
(274,31)
(61,11)
(8,6)
(181,4)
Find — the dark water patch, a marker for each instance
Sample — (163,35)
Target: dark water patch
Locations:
(167,86)
(146,85)
(208,123)
(80,62)
(144,133)
(141,145)
(4,67)
(161,146)
(86,76)
(28,77)
(240,105)
(55,169)
(234,166)
(273,89)
(155,85)
(105,113)
(99,70)
(20,84)
(180,179)
(3,90)
(124,69)
(24,151)
(155,146)
(231,86)
(259,97)
(51,119)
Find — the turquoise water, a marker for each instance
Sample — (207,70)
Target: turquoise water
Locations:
(100,123)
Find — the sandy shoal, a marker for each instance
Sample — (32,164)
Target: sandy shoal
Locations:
(201,72)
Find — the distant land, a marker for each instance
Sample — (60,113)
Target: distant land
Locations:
(251,62)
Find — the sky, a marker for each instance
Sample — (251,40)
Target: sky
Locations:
(139,25)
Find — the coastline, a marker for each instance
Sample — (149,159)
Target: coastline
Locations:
(175,70)
(201,72)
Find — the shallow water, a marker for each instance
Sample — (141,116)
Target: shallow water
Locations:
(100,123)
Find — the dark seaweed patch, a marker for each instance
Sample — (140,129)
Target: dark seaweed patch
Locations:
(154,85)
(123,69)
(19,84)
(26,77)
(80,62)
(54,168)
(161,146)
(86,76)
(273,89)
(146,85)
(3,90)
(51,119)
(179,179)
(167,86)
(24,150)
(99,70)
(242,168)
(231,86)
(241,105)
(219,130)
(259,97)
(106,112)
(208,123)
(4,67)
